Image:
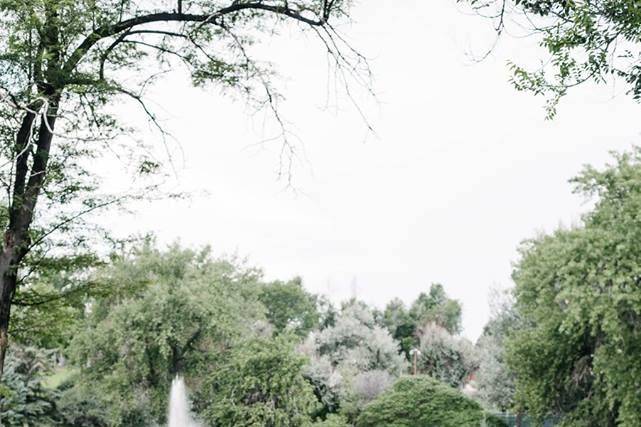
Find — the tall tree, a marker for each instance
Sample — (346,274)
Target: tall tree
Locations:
(576,353)
(434,307)
(63,63)
(494,378)
(168,313)
(289,306)
(584,40)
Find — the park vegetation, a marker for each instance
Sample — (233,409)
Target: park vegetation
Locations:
(94,330)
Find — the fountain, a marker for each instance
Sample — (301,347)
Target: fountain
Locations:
(179,415)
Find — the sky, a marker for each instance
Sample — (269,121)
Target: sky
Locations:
(461,167)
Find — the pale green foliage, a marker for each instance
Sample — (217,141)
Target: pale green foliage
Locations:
(176,312)
(342,354)
(495,379)
(356,342)
(361,388)
(578,293)
(447,358)
(260,384)
(333,420)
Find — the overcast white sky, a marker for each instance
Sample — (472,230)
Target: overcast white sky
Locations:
(462,169)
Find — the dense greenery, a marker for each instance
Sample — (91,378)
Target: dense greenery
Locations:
(421,401)
(432,307)
(577,289)
(447,358)
(99,331)
(351,361)
(251,352)
(289,307)
(188,312)
(23,397)
(261,383)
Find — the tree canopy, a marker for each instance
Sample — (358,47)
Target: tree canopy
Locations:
(434,307)
(577,291)
(64,64)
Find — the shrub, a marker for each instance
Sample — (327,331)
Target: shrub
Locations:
(421,401)
(333,420)
(261,384)
(445,357)
(24,400)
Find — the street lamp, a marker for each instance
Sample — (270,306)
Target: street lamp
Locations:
(415,352)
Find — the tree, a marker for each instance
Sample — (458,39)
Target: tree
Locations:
(444,357)
(577,291)
(585,41)
(177,312)
(421,401)
(434,307)
(260,383)
(401,325)
(289,306)
(351,361)
(495,380)
(24,400)
(64,62)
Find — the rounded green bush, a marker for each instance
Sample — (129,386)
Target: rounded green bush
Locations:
(421,401)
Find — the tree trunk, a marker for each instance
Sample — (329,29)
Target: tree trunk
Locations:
(8,280)
(27,185)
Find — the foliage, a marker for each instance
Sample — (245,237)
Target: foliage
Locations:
(351,361)
(421,401)
(492,420)
(495,379)
(356,341)
(436,307)
(65,64)
(260,383)
(51,300)
(577,291)
(433,307)
(445,357)
(584,40)
(83,407)
(176,312)
(401,325)
(362,388)
(23,398)
(332,420)
(289,306)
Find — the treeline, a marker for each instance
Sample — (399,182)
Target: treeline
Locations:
(252,352)
(97,343)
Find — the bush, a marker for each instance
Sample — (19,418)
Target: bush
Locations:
(24,400)
(332,420)
(421,401)
(492,420)
(261,384)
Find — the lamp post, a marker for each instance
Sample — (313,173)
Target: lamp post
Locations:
(415,352)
